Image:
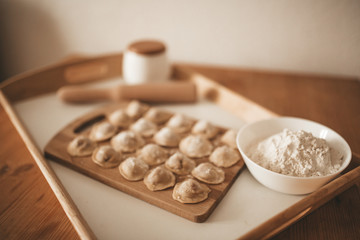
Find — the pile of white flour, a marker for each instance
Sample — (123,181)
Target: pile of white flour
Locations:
(295,153)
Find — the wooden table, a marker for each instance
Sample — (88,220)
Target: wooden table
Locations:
(29,209)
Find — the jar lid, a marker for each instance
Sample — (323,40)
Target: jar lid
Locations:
(147,47)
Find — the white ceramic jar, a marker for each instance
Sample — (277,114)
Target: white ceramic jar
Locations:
(145,61)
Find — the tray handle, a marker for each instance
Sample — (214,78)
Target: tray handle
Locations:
(305,206)
(75,69)
(81,127)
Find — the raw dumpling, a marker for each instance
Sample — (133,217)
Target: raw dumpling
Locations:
(102,131)
(196,146)
(153,154)
(180,164)
(208,173)
(127,141)
(136,109)
(180,123)
(119,118)
(106,156)
(229,138)
(144,127)
(157,116)
(167,137)
(224,156)
(190,191)
(159,178)
(205,129)
(133,169)
(81,146)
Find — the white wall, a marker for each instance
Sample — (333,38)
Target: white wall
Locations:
(303,36)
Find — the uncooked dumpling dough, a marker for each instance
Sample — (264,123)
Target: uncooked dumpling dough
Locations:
(81,146)
(190,191)
(180,164)
(136,109)
(208,173)
(106,156)
(144,127)
(196,146)
(133,169)
(229,138)
(153,154)
(102,131)
(157,116)
(159,178)
(180,123)
(205,129)
(127,141)
(119,118)
(224,156)
(167,137)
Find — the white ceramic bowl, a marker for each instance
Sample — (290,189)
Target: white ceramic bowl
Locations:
(284,183)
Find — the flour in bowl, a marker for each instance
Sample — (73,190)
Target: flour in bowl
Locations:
(296,153)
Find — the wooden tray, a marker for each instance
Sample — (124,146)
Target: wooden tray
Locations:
(199,212)
(84,69)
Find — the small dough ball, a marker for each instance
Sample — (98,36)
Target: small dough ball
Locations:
(208,173)
(127,141)
(144,127)
(180,123)
(167,137)
(136,109)
(195,146)
(106,156)
(157,116)
(180,164)
(205,129)
(133,169)
(224,156)
(81,146)
(229,138)
(159,178)
(190,191)
(153,154)
(102,131)
(119,118)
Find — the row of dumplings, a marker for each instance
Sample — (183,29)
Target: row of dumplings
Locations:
(166,164)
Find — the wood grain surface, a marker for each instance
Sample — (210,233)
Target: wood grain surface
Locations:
(332,101)
(199,212)
(28,207)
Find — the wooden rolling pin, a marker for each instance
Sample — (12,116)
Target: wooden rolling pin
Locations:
(148,92)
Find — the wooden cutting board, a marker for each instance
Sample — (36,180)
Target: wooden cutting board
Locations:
(199,212)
